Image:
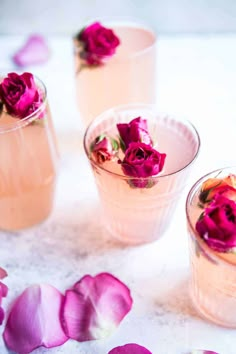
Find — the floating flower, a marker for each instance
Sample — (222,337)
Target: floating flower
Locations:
(135,131)
(35,320)
(95,306)
(96,44)
(104,149)
(3,293)
(142,161)
(203,352)
(217,224)
(224,186)
(20,95)
(131,348)
(34,51)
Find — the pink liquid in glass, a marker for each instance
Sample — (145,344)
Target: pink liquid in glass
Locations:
(27,168)
(213,274)
(126,77)
(141,215)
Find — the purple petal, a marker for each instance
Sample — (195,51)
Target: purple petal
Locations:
(34,51)
(130,349)
(198,351)
(34,320)
(95,306)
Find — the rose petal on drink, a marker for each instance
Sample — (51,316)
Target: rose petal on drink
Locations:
(95,306)
(34,51)
(34,320)
(130,348)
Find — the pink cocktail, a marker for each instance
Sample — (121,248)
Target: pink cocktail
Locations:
(213,272)
(141,215)
(28,159)
(128,76)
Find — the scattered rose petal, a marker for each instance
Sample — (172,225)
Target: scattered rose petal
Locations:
(34,51)
(198,351)
(3,293)
(95,306)
(34,320)
(130,349)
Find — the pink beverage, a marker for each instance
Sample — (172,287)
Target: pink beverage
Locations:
(213,274)
(126,77)
(27,167)
(141,215)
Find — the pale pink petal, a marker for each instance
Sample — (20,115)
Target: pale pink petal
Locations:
(34,320)
(34,51)
(3,273)
(130,348)
(199,351)
(95,306)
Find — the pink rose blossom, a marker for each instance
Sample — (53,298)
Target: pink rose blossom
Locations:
(95,306)
(34,51)
(217,224)
(135,131)
(20,94)
(35,320)
(99,43)
(104,149)
(142,161)
(130,348)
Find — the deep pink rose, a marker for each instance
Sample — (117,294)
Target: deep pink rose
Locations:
(20,94)
(142,161)
(135,131)
(104,149)
(217,224)
(99,43)
(131,348)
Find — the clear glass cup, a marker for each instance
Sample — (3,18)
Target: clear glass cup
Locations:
(141,215)
(213,274)
(129,76)
(28,167)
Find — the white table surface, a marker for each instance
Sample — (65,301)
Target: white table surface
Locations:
(196,79)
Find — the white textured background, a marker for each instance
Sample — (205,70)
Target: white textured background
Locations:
(166,16)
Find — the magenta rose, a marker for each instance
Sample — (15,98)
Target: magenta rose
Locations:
(217,224)
(20,94)
(135,131)
(104,149)
(99,43)
(142,161)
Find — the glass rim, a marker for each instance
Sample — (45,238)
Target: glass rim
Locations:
(198,239)
(22,122)
(152,108)
(135,23)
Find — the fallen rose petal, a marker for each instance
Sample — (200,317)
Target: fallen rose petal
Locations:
(34,51)
(3,293)
(198,351)
(34,320)
(130,348)
(95,306)
(3,273)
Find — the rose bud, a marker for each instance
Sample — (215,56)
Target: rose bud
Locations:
(20,94)
(142,161)
(224,186)
(135,131)
(98,43)
(217,224)
(104,149)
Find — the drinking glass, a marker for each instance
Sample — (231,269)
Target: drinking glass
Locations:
(28,159)
(141,215)
(129,76)
(213,274)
